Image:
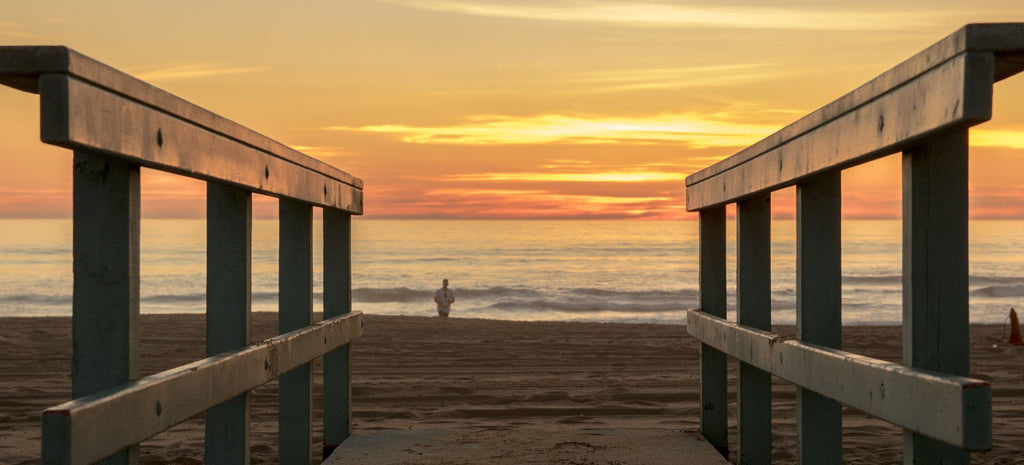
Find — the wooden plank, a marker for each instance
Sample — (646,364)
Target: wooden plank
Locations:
(1005,41)
(819,286)
(228,311)
(945,407)
(936,320)
(295,388)
(78,115)
(714,412)
(754,309)
(21,67)
(337,302)
(613,444)
(101,424)
(955,93)
(105,318)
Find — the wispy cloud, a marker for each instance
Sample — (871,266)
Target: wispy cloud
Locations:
(625,79)
(605,176)
(637,13)
(458,202)
(177,71)
(692,129)
(621,80)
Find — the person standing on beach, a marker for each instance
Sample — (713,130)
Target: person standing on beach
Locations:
(444,298)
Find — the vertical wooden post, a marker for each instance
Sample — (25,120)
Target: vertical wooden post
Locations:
(754,309)
(819,309)
(713,368)
(337,301)
(228,301)
(105,321)
(295,388)
(936,322)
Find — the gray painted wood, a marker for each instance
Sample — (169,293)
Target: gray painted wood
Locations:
(819,309)
(754,309)
(21,67)
(79,115)
(98,425)
(295,388)
(952,409)
(105,319)
(714,410)
(936,322)
(955,93)
(337,302)
(228,311)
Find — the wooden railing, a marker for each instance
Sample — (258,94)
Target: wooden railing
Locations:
(923,108)
(116,124)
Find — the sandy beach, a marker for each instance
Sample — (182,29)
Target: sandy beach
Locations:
(491,383)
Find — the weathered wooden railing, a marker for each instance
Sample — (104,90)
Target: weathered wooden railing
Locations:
(923,108)
(115,124)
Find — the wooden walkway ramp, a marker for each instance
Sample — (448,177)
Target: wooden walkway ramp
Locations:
(534,445)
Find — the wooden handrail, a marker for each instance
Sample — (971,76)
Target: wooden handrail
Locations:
(86,105)
(948,84)
(116,124)
(106,422)
(923,108)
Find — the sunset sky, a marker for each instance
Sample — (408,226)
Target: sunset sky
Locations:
(508,108)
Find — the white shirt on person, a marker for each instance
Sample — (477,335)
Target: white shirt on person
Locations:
(444,298)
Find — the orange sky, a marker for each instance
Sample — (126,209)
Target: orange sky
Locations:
(506,108)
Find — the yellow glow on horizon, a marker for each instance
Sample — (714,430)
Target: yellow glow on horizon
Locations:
(614,176)
(997,138)
(543,194)
(691,129)
(472,202)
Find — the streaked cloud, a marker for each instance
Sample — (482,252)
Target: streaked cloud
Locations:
(177,71)
(997,202)
(653,14)
(620,79)
(1008,138)
(326,151)
(695,130)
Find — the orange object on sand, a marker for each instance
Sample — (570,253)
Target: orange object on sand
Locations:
(1015,337)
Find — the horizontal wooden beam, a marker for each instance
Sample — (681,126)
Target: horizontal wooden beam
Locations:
(82,116)
(90,428)
(955,93)
(1005,41)
(21,66)
(952,409)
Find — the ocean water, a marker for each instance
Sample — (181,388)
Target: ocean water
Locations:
(628,271)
